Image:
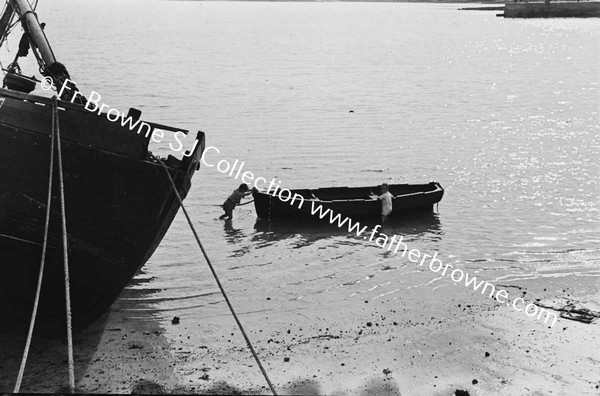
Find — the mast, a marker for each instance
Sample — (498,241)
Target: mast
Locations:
(49,66)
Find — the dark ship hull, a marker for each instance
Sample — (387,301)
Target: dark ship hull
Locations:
(119,205)
(352,202)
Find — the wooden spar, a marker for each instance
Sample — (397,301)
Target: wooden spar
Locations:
(40,46)
(5,22)
(43,53)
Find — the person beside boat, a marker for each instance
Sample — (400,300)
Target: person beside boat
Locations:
(386,202)
(234,199)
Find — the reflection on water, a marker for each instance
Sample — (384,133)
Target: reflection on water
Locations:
(236,237)
(424,225)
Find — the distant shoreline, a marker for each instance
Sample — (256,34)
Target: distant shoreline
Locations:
(482,9)
(371,1)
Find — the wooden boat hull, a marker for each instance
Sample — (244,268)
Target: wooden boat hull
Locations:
(119,205)
(355,203)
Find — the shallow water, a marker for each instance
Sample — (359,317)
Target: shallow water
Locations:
(503,113)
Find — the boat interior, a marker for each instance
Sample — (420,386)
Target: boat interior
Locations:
(344,193)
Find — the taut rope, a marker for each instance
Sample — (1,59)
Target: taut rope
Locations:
(55,138)
(262,369)
(65,251)
(42,265)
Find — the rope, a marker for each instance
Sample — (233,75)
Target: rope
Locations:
(65,251)
(262,369)
(10,28)
(41,274)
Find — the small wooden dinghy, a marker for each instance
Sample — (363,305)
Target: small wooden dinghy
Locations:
(353,202)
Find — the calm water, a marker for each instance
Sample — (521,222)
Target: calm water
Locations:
(504,113)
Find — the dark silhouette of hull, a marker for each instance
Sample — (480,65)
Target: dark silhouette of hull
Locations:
(353,202)
(119,205)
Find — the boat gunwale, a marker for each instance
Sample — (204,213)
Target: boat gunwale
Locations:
(65,106)
(438,188)
(37,99)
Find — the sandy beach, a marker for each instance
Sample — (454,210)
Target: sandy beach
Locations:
(412,346)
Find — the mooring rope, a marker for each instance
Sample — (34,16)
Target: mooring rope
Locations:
(262,369)
(65,251)
(42,265)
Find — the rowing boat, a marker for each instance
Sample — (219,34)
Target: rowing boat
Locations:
(353,202)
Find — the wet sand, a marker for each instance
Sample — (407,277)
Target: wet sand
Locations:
(424,343)
(115,354)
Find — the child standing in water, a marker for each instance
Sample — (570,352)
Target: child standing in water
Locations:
(386,202)
(234,199)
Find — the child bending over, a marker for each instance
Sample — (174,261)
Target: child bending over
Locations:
(234,199)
